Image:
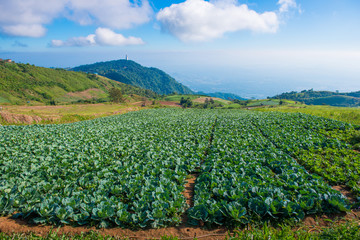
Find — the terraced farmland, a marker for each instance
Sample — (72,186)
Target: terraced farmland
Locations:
(130,170)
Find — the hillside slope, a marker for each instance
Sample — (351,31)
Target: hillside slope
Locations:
(21,83)
(130,72)
(323,98)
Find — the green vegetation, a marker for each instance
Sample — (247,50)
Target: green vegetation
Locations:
(177,97)
(130,72)
(130,170)
(323,98)
(75,174)
(25,83)
(345,114)
(250,175)
(116,95)
(209,103)
(344,231)
(321,146)
(186,102)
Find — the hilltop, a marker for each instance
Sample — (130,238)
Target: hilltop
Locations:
(24,83)
(312,97)
(130,72)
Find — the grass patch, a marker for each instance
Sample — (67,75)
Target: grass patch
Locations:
(345,114)
(178,97)
(69,113)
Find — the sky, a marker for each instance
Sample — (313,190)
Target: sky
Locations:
(251,48)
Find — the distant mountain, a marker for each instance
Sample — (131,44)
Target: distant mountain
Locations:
(225,96)
(21,83)
(130,72)
(323,98)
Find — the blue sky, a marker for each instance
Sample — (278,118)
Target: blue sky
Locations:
(249,47)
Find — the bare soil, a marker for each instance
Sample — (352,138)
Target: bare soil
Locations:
(346,192)
(9,226)
(189,196)
(168,103)
(189,189)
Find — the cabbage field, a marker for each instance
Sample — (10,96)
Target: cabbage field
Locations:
(130,170)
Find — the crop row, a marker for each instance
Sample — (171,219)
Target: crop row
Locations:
(247,178)
(321,145)
(127,170)
(130,170)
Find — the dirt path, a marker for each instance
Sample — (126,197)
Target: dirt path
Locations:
(189,196)
(9,226)
(189,189)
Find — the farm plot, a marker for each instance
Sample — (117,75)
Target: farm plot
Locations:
(130,170)
(126,170)
(318,144)
(246,178)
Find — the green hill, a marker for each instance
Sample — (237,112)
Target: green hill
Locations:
(311,97)
(130,72)
(21,83)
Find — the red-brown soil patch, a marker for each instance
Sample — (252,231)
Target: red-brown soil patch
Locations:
(189,189)
(346,192)
(202,99)
(189,195)
(168,103)
(9,226)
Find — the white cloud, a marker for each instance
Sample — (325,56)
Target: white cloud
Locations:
(102,37)
(200,20)
(285,5)
(25,30)
(117,14)
(29,17)
(106,37)
(75,42)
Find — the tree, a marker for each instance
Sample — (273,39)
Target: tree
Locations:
(116,95)
(186,103)
(182,101)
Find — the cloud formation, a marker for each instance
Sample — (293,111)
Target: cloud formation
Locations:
(27,18)
(200,20)
(285,5)
(102,37)
(116,14)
